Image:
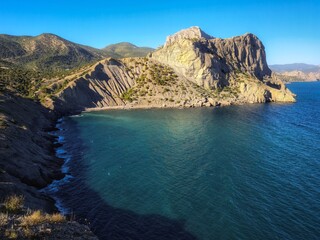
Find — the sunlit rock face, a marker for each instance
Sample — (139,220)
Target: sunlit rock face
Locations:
(211,62)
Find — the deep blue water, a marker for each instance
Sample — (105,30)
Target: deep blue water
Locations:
(239,172)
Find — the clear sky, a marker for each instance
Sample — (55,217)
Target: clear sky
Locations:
(289,29)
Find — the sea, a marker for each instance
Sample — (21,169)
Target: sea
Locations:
(237,172)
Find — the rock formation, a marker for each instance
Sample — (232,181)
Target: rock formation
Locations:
(211,62)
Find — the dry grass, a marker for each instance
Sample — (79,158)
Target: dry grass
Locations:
(3,219)
(37,217)
(34,218)
(56,218)
(14,203)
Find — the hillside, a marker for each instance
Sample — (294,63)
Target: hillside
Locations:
(45,52)
(191,69)
(297,72)
(49,52)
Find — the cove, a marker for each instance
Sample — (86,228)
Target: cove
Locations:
(238,172)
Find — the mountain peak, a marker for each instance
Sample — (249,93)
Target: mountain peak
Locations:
(190,33)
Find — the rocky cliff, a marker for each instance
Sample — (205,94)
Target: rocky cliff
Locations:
(191,69)
(27,161)
(212,62)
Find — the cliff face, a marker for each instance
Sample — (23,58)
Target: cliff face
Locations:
(211,62)
(191,69)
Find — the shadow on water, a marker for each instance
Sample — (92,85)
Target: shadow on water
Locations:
(108,222)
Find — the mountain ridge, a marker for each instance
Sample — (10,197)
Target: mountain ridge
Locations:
(50,51)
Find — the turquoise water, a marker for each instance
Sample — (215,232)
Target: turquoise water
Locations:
(239,172)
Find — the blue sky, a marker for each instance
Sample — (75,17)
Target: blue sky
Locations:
(289,29)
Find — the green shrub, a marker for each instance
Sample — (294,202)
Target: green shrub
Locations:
(128,95)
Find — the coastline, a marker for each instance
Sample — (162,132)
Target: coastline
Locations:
(133,107)
(60,153)
(157,106)
(48,129)
(44,129)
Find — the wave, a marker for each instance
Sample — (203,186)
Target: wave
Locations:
(60,152)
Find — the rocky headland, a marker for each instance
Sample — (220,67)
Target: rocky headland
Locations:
(191,69)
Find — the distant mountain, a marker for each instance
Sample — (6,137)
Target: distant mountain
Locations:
(51,52)
(297,72)
(306,68)
(125,49)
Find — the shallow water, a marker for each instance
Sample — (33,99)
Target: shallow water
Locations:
(239,172)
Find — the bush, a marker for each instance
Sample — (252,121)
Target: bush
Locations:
(128,95)
(14,203)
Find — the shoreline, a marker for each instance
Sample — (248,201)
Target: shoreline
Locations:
(129,107)
(137,107)
(60,153)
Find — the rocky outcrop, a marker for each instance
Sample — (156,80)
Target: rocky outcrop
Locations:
(255,92)
(211,62)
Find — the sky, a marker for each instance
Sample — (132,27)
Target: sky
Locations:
(289,29)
